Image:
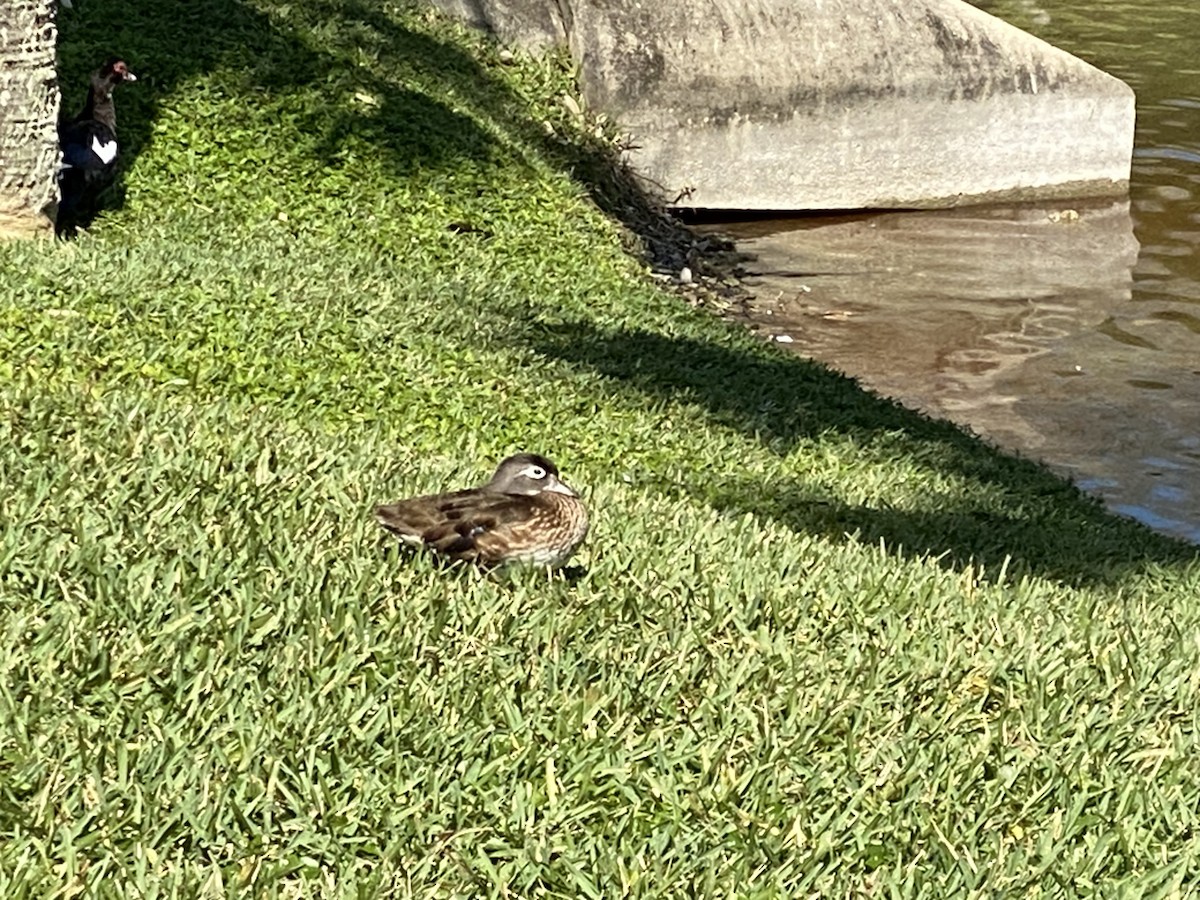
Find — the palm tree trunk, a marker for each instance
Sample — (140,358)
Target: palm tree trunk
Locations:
(28,115)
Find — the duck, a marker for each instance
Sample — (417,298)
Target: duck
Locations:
(89,149)
(525,514)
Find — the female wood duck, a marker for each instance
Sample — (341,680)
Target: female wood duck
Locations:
(524,514)
(89,149)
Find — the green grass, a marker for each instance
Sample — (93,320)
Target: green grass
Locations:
(816,646)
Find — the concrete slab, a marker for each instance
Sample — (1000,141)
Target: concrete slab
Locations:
(534,24)
(846,104)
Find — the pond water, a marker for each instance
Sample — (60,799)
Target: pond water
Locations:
(1068,332)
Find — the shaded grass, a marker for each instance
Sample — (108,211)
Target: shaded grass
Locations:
(818,645)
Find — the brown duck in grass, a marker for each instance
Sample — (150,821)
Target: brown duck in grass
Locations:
(524,514)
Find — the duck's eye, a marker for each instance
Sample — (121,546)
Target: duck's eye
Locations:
(535,472)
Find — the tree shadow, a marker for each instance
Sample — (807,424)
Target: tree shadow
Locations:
(408,119)
(1001,512)
(180,46)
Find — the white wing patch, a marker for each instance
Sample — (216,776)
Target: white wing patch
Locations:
(106,151)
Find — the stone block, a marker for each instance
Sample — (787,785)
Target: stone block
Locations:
(844,104)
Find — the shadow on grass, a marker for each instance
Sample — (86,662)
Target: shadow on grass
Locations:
(394,550)
(171,44)
(1003,513)
(274,49)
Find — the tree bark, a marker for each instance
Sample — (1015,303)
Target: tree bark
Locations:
(29,100)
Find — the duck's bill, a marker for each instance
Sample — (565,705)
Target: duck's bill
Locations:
(561,487)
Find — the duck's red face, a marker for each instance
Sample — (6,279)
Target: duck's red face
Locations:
(120,71)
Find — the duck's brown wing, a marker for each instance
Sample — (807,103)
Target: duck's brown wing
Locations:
(474,525)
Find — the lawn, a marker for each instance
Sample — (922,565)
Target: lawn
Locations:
(817,645)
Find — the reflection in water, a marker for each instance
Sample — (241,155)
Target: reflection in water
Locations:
(1050,334)
(1017,322)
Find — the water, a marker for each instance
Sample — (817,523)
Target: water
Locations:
(1069,332)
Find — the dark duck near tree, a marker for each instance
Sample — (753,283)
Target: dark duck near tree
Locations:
(524,514)
(89,149)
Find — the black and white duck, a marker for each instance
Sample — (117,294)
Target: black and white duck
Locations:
(89,149)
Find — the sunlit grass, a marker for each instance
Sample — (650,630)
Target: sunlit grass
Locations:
(815,646)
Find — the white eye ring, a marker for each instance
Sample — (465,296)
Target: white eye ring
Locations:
(534,472)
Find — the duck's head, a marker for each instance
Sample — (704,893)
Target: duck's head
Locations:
(528,474)
(115,71)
